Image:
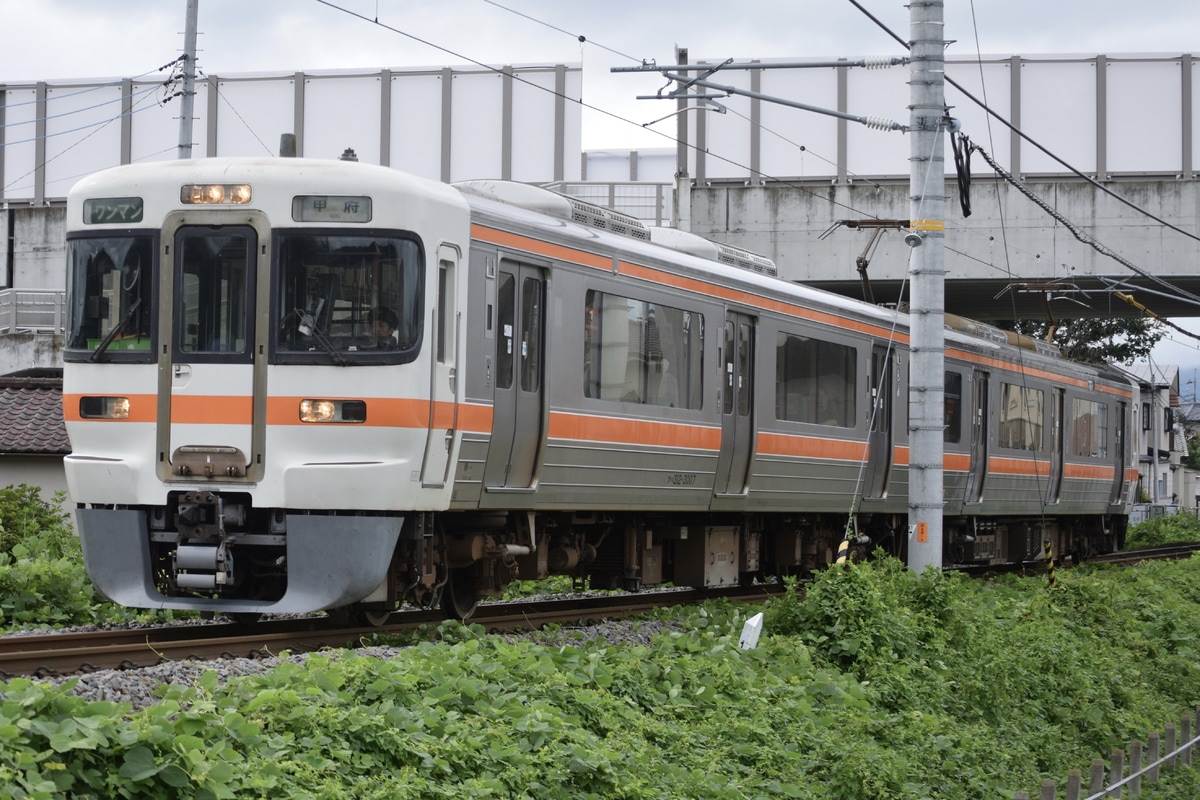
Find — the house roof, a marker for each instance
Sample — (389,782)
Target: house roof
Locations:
(1163,375)
(31,418)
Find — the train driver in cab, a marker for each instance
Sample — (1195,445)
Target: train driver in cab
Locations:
(384,323)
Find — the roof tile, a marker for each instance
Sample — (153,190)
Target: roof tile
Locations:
(31,417)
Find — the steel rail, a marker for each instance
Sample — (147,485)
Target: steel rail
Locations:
(55,654)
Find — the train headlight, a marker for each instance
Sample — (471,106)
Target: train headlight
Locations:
(104,407)
(333,411)
(215,194)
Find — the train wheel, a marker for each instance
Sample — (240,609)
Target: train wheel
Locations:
(458,596)
(375,619)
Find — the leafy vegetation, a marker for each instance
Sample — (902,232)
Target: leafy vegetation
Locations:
(873,683)
(1178,528)
(1193,448)
(42,578)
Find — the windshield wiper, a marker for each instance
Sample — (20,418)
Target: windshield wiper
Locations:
(308,322)
(120,326)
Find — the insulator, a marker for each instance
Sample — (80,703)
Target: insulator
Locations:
(879,123)
(878,62)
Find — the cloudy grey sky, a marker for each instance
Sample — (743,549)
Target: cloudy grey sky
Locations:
(57,39)
(53,39)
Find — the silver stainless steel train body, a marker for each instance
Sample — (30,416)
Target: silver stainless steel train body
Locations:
(294,384)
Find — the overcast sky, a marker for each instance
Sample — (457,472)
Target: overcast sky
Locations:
(50,39)
(56,39)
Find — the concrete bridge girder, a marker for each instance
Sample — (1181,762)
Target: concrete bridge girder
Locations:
(1007,240)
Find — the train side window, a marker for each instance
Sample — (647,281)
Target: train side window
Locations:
(505,299)
(815,381)
(1089,428)
(727,393)
(1022,417)
(952,408)
(445,311)
(641,352)
(531,333)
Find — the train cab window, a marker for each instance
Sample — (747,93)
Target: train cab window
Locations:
(1022,415)
(348,298)
(815,381)
(1089,428)
(110,313)
(217,269)
(952,411)
(641,352)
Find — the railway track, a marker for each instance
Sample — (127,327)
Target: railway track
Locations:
(49,655)
(1171,551)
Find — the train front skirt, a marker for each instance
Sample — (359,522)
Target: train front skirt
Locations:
(331,561)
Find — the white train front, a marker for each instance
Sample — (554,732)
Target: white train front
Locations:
(294,385)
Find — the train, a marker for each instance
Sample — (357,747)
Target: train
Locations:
(294,385)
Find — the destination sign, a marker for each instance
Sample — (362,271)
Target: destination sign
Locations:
(107,210)
(331,208)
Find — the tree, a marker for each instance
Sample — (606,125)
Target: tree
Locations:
(1193,454)
(1096,340)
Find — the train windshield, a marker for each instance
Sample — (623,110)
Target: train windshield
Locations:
(348,297)
(109,283)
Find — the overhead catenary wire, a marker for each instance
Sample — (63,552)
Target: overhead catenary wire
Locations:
(95,129)
(579,37)
(1104,189)
(869,63)
(238,114)
(993,113)
(97,87)
(102,122)
(578,101)
(963,173)
(1074,229)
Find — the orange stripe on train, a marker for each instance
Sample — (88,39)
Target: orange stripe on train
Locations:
(1090,472)
(590,428)
(782,444)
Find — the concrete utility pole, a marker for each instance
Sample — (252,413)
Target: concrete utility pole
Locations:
(189,80)
(927,385)
(683,182)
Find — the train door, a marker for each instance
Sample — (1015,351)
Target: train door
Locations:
(1057,444)
(737,402)
(212,387)
(519,377)
(879,439)
(979,439)
(1120,454)
(443,407)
